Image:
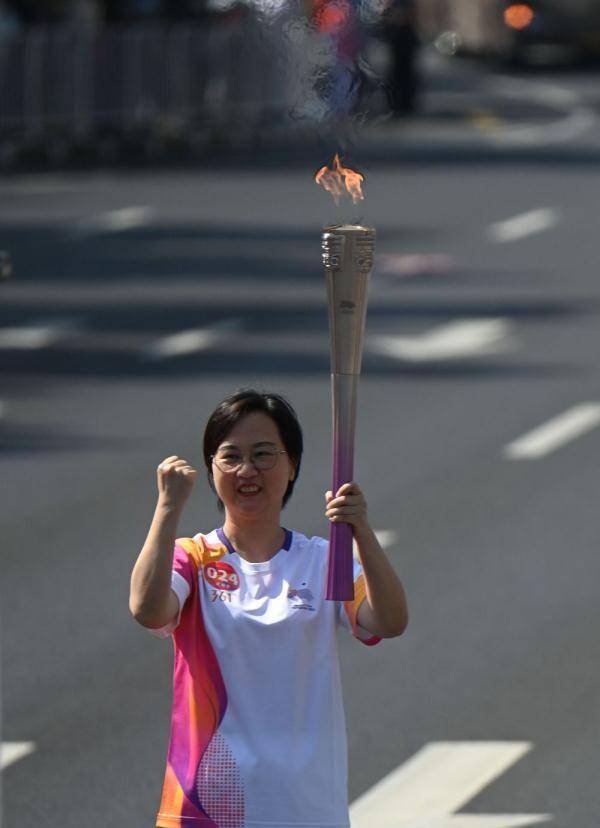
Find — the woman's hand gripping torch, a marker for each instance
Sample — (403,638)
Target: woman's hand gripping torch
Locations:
(348,261)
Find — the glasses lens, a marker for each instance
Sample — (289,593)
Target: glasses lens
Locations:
(229,460)
(264,458)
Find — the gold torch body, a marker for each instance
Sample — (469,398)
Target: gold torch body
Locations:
(348,261)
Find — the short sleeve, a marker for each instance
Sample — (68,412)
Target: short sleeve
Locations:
(182,576)
(348,610)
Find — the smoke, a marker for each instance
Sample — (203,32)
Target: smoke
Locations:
(315,68)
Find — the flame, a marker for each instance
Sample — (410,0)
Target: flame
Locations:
(339,180)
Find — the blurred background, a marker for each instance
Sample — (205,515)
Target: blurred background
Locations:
(160,246)
(99,81)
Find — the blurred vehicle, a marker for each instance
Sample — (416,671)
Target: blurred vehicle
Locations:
(536,32)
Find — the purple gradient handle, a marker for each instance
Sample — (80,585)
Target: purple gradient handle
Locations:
(340,580)
(348,261)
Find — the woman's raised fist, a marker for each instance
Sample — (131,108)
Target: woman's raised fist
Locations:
(175,478)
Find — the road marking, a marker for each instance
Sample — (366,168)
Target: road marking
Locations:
(191,341)
(527,135)
(11,752)
(415,264)
(40,335)
(386,537)
(578,118)
(440,779)
(550,94)
(115,221)
(526,224)
(456,340)
(555,433)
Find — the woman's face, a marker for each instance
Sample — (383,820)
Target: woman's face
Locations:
(249,493)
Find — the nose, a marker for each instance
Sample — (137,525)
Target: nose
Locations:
(247,468)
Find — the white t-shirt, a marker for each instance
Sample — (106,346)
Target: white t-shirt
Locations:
(258,736)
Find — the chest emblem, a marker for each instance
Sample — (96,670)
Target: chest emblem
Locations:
(222,576)
(301,598)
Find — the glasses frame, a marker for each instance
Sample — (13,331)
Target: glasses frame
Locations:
(213,459)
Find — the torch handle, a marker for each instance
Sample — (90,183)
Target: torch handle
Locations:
(340,581)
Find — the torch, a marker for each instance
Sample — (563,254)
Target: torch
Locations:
(348,261)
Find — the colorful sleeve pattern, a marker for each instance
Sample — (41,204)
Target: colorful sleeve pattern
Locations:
(352,607)
(199,704)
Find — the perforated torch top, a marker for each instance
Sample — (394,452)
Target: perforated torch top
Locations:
(348,228)
(348,261)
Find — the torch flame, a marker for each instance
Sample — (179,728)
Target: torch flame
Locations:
(338,180)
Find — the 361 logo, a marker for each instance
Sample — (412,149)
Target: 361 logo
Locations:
(222,576)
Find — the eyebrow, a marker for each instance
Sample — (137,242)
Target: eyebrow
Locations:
(254,445)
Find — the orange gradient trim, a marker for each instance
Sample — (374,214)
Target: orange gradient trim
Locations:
(172,798)
(518,16)
(352,608)
(201,552)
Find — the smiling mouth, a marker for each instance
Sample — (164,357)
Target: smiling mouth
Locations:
(248,490)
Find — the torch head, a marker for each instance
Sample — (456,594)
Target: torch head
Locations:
(348,261)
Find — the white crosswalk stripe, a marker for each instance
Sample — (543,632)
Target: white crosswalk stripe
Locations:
(11,752)
(427,790)
(555,433)
(191,341)
(40,334)
(526,224)
(460,339)
(114,221)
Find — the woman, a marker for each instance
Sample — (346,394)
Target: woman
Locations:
(257,730)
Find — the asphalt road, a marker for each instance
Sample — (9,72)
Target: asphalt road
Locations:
(478,332)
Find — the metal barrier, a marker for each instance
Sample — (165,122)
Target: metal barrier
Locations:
(63,83)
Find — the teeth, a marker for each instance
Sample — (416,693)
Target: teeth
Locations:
(248,488)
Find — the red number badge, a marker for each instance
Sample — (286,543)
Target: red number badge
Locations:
(222,576)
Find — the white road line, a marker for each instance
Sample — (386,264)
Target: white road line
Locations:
(527,135)
(115,221)
(456,340)
(437,781)
(386,537)
(466,821)
(406,265)
(27,339)
(39,335)
(555,433)
(11,752)
(561,97)
(191,341)
(523,225)
(576,120)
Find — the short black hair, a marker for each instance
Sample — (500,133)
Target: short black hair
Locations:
(238,405)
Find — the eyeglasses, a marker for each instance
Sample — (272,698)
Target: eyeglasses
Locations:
(261,458)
